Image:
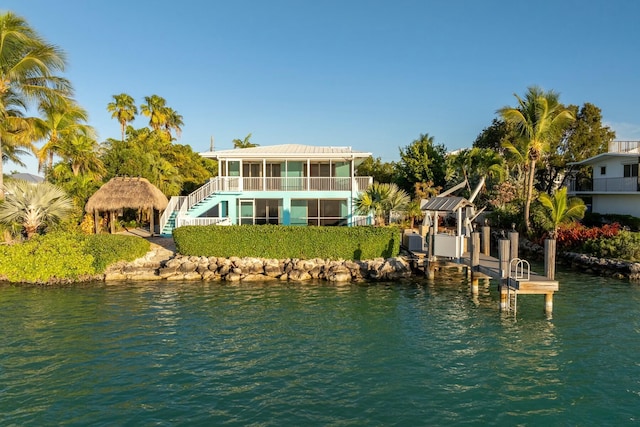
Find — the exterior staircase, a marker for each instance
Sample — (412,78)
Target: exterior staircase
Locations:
(180,209)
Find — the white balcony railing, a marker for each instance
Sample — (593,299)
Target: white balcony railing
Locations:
(610,185)
(624,147)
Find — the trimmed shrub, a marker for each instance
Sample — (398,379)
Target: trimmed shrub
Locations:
(282,241)
(66,257)
(625,245)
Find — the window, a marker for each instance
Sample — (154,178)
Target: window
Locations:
(319,212)
(603,170)
(630,170)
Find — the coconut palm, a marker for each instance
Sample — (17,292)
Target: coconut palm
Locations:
(538,118)
(79,152)
(562,210)
(34,205)
(155,107)
(123,108)
(28,67)
(379,200)
(61,119)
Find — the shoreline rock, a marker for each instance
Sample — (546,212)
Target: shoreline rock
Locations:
(235,269)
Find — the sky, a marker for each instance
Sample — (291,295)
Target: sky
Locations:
(370,74)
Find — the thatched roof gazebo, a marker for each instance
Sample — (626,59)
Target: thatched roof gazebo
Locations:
(124,192)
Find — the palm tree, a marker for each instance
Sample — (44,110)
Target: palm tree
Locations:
(174,122)
(34,205)
(380,200)
(61,119)
(123,109)
(562,210)
(538,118)
(15,130)
(244,143)
(27,70)
(156,109)
(79,152)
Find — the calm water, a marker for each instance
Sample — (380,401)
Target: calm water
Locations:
(406,354)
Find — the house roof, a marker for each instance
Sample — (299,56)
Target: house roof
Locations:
(445,204)
(288,151)
(124,192)
(597,158)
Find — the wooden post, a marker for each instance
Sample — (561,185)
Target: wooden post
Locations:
(112,221)
(430,270)
(503,257)
(152,226)
(513,238)
(548,303)
(96,221)
(504,297)
(475,250)
(486,240)
(550,258)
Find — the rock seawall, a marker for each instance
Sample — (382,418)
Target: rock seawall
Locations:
(237,269)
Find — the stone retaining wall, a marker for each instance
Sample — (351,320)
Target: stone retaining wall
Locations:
(236,269)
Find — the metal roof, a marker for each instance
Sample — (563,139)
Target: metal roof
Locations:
(287,151)
(445,204)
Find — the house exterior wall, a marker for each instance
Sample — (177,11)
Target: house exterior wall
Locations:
(623,204)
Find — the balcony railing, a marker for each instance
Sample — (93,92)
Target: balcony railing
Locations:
(358,183)
(624,147)
(611,185)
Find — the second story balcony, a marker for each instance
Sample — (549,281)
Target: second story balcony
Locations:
(604,185)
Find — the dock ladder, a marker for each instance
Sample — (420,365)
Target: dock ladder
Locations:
(519,269)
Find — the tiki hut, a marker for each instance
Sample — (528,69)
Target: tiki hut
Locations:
(124,192)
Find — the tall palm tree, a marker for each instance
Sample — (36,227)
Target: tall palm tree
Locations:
(539,117)
(173,122)
(562,210)
(34,205)
(60,120)
(155,107)
(123,108)
(28,67)
(16,136)
(80,152)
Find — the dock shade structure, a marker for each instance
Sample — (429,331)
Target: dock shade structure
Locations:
(124,192)
(445,244)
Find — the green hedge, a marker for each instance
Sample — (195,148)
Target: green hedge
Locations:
(65,257)
(281,241)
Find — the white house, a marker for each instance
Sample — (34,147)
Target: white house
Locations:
(614,187)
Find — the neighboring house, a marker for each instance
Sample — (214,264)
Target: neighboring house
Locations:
(614,187)
(33,179)
(282,184)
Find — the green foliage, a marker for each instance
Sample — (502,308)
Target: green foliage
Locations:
(379,200)
(279,241)
(65,257)
(380,171)
(50,258)
(625,245)
(107,249)
(422,161)
(592,219)
(561,209)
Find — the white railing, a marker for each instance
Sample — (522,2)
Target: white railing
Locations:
(624,147)
(183,220)
(305,183)
(629,184)
(174,204)
(361,220)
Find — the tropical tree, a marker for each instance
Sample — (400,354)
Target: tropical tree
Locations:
(34,206)
(538,118)
(244,143)
(28,67)
(562,210)
(377,169)
(173,122)
(421,161)
(123,108)
(380,199)
(155,107)
(61,119)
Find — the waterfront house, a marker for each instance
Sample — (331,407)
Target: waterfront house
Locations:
(287,184)
(613,187)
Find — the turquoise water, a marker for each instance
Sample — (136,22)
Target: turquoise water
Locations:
(413,353)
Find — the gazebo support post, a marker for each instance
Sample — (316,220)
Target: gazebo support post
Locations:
(112,222)
(151,224)
(96,221)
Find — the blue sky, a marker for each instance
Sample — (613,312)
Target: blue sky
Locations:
(372,74)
